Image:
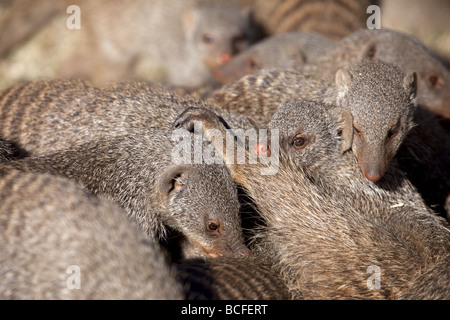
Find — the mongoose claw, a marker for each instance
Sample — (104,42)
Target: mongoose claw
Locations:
(187,117)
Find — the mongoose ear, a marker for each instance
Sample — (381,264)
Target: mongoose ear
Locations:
(345,128)
(410,84)
(171,180)
(343,80)
(369,52)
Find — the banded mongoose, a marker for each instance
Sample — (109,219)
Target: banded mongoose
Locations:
(59,242)
(405,51)
(31,112)
(329,250)
(334,19)
(177,42)
(200,202)
(284,51)
(247,278)
(380,97)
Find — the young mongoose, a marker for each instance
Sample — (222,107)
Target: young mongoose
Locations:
(403,50)
(284,51)
(367,89)
(250,278)
(330,250)
(334,19)
(200,202)
(59,242)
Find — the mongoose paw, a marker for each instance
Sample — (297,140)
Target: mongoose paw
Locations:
(187,118)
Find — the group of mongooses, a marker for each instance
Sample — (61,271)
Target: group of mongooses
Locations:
(260,154)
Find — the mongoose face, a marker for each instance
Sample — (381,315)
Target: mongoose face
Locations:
(382,107)
(312,133)
(284,51)
(217,33)
(202,204)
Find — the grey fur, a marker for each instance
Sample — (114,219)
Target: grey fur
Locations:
(325,244)
(49,225)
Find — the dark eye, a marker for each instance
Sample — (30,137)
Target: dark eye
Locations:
(298,142)
(213,226)
(251,64)
(357,131)
(435,81)
(393,132)
(207,38)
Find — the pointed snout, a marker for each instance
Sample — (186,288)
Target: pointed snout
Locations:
(372,175)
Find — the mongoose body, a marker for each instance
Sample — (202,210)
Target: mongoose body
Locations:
(329,249)
(6,151)
(405,51)
(232,279)
(59,242)
(282,16)
(368,89)
(115,141)
(199,202)
(284,51)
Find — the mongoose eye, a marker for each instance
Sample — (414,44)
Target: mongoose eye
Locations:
(213,226)
(298,142)
(435,81)
(393,132)
(207,38)
(251,64)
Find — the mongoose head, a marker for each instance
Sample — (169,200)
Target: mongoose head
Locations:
(201,202)
(312,134)
(382,101)
(408,53)
(283,51)
(217,33)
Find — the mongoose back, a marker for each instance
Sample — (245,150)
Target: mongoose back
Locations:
(282,16)
(59,242)
(232,279)
(405,51)
(284,51)
(329,250)
(31,112)
(6,151)
(380,97)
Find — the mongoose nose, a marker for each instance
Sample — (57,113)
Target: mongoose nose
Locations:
(371,176)
(224,57)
